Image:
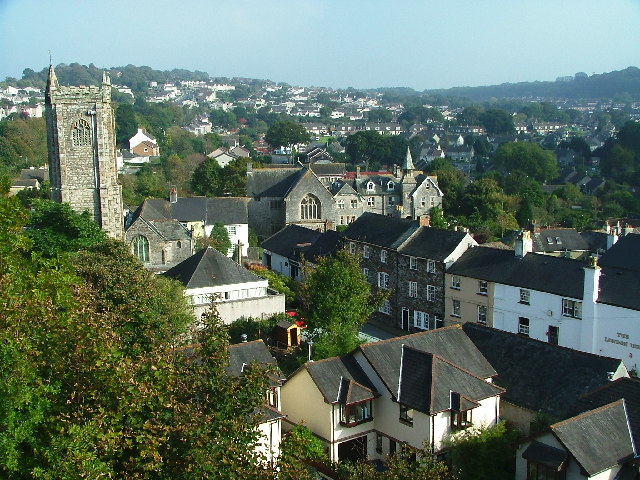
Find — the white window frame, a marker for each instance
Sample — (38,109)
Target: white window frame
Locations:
(523,329)
(383,256)
(482,314)
(354,203)
(365,272)
(455,309)
(383,280)
(571,308)
(455,282)
(525,296)
(483,287)
(385,307)
(431,293)
(371,201)
(431,266)
(413,263)
(352,248)
(421,320)
(366,251)
(413,289)
(371,186)
(340,204)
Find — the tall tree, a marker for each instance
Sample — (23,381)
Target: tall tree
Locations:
(337,300)
(528,158)
(286,133)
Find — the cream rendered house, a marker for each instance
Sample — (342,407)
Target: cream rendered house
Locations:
(419,390)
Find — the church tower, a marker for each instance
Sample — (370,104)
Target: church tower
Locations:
(408,185)
(82,151)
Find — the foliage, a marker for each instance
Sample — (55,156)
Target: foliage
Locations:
(420,114)
(286,133)
(437,219)
(255,328)
(219,238)
(529,158)
(484,453)
(126,124)
(410,463)
(23,144)
(280,283)
(92,384)
(55,228)
(299,446)
(337,300)
(497,121)
(540,422)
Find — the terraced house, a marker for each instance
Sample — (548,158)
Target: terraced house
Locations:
(409,258)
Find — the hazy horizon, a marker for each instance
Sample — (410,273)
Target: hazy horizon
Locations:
(373,44)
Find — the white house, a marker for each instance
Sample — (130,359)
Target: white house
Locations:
(209,276)
(590,307)
(419,389)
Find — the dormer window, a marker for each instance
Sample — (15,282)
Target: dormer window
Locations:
(390,186)
(371,186)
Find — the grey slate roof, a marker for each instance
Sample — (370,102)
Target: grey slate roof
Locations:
(627,388)
(324,169)
(242,354)
(272,182)
(537,375)
(560,276)
(380,230)
(546,455)
(208,268)
(329,376)
(227,210)
(427,380)
(450,343)
(620,286)
(295,241)
(585,435)
(433,243)
(623,254)
(558,240)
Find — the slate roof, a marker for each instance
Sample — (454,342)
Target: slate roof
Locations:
(537,375)
(241,354)
(328,169)
(558,240)
(585,435)
(380,230)
(450,343)
(623,254)
(625,387)
(227,210)
(433,243)
(339,378)
(272,182)
(294,241)
(427,380)
(546,455)
(620,286)
(597,241)
(209,268)
(544,273)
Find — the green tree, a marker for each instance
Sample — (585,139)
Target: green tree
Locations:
(379,115)
(368,147)
(486,453)
(496,122)
(280,283)
(286,133)
(126,124)
(298,447)
(437,219)
(529,158)
(219,238)
(55,228)
(207,178)
(337,300)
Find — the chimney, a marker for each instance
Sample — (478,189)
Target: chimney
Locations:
(424,220)
(249,167)
(524,244)
(243,338)
(612,238)
(358,172)
(173,195)
(591,281)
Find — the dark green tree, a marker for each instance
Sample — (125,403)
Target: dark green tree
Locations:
(126,124)
(207,179)
(337,300)
(286,133)
(219,238)
(496,122)
(368,147)
(528,158)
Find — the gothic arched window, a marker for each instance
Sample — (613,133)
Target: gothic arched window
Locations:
(310,208)
(140,247)
(81,133)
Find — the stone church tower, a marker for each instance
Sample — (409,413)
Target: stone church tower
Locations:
(82,151)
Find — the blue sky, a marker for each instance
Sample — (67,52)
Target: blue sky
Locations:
(335,43)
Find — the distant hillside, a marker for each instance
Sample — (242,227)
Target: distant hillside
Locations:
(137,78)
(623,85)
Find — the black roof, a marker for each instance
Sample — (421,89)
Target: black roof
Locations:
(208,268)
(242,354)
(620,287)
(341,378)
(227,210)
(558,240)
(560,276)
(625,387)
(426,381)
(294,241)
(433,243)
(380,230)
(623,254)
(537,375)
(598,439)
(450,343)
